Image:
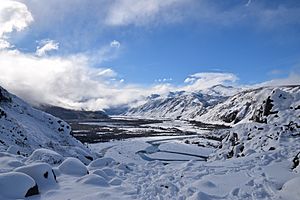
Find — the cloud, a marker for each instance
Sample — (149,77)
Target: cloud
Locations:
(68,82)
(46,46)
(201,81)
(115,44)
(163,80)
(142,12)
(13,16)
(107,73)
(292,79)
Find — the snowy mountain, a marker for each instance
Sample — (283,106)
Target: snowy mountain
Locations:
(221,90)
(24,129)
(177,105)
(262,105)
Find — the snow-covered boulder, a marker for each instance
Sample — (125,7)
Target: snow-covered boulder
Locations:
(73,166)
(125,168)
(115,181)
(42,173)
(45,155)
(290,189)
(109,172)
(93,179)
(9,161)
(13,149)
(16,185)
(101,162)
(101,173)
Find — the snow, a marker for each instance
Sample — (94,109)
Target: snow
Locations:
(177,105)
(290,190)
(255,159)
(42,174)
(24,129)
(73,166)
(93,179)
(45,155)
(15,185)
(101,162)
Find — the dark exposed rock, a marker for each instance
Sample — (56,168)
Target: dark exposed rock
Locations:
(271,148)
(89,158)
(296,161)
(32,191)
(3,97)
(46,174)
(230,117)
(54,175)
(260,115)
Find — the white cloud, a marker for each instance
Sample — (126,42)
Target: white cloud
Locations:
(126,12)
(13,16)
(292,79)
(46,46)
(68,82)
(106,73)
(115,44)
(4,44)
(201,81)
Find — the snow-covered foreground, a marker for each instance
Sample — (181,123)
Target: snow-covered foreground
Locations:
(122,173)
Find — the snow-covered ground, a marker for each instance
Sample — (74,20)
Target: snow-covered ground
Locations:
(123,174)
(256,159)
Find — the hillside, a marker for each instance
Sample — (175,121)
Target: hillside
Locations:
(24,129)
(262,105)
(68,114)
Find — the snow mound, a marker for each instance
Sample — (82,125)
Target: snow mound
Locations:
(9,162)
(101,162)
(16,185)
(45,155)
(290,190)
(101,173)
(73,166)
(93,179)
(115,181)
(125,168)
(13,149)
(42,173)
(109,172)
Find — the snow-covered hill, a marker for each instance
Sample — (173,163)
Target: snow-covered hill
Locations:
(177,105)
(265,119)
(263,105)
(24,129)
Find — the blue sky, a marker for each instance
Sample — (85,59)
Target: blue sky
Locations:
(139,44)
(251,47)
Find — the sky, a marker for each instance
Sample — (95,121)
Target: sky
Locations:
(102,53)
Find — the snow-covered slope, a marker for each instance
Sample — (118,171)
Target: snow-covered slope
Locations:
(263,105)
(24,129)
(265,119)
(176,105)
